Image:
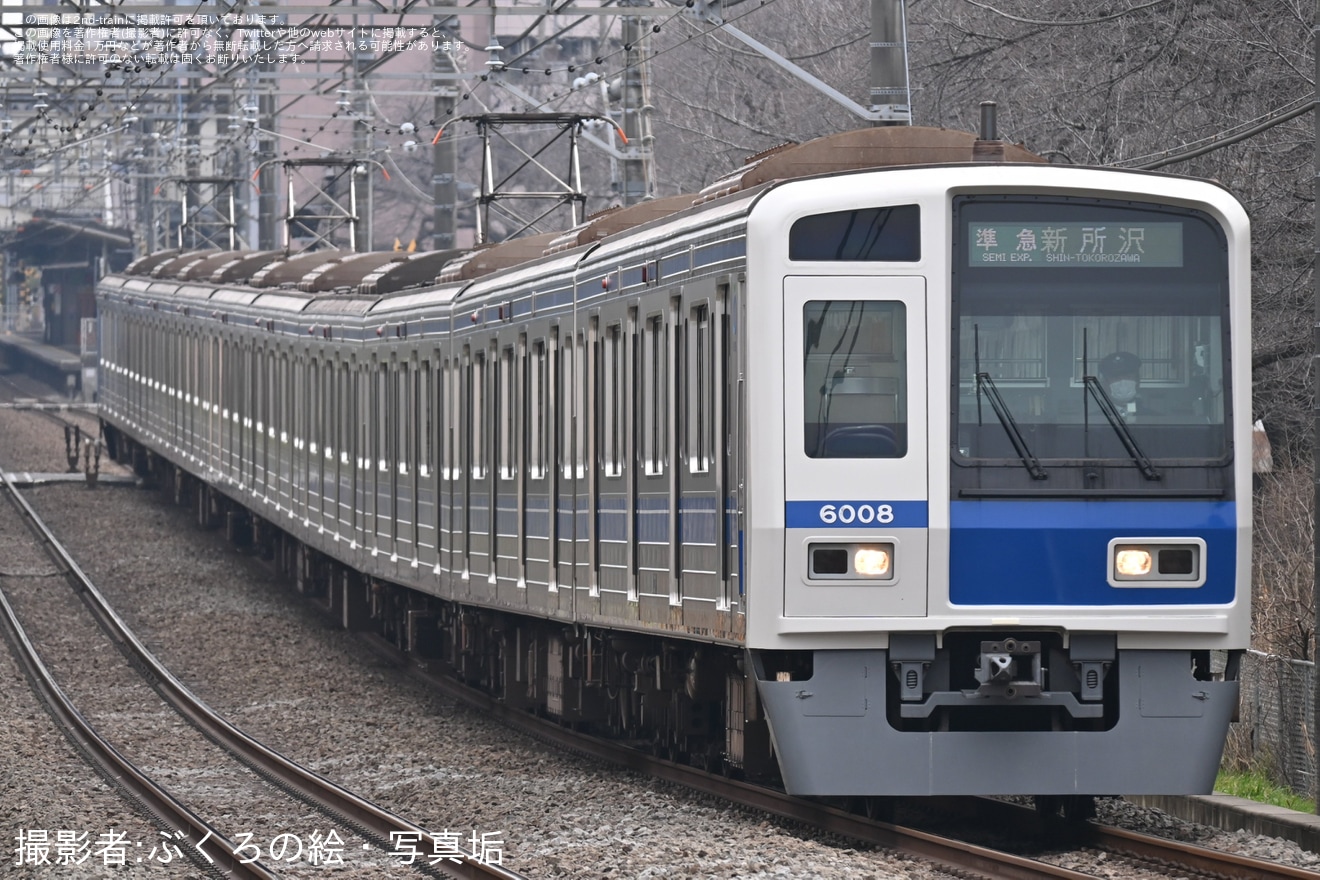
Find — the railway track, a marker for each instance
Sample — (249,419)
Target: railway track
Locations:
(77,422)
(961,857)
(207,846)
(1004,858)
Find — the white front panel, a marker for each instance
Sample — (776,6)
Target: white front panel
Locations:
(855,463)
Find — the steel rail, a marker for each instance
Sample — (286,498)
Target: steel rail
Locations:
(104,756)
(1166,854)
(960,855)
(951,853)
(1189,856)
(291,777)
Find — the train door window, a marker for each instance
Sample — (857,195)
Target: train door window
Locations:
(446,395)
(426,420)
(655,395)
(456,435)
(307,436)
(383,424)
(270,400)
(610,395)
(404,417)
(343,426)
(477,414)
(261,385)
(580,411)
(699,389)
(279,417)
(507,416)
(536,410)
(855,379)
(565,400)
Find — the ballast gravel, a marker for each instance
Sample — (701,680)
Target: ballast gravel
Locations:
(240,638)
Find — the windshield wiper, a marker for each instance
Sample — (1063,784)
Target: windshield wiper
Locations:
(1110,410)
(983,381)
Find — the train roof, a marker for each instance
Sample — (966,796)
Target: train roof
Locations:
(597,238)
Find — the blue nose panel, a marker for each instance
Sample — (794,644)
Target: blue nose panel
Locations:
(1057,552)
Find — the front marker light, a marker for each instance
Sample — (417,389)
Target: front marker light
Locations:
(1132,562)
(871,562)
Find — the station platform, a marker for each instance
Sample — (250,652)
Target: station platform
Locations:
(1239,814)
(60,368)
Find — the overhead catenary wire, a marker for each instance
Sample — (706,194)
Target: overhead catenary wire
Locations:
(1219,141)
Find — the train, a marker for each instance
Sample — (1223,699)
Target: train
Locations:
(900,462)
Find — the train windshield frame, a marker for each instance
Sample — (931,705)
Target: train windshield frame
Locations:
(1088,332)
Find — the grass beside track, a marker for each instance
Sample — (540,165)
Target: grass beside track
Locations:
(1257,786)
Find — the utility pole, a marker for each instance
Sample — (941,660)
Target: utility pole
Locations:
(891,100)
(1315,413)
(361,180)
(267,181)
(444,153)
(639,163)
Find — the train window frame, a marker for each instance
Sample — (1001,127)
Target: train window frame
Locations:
(830,236)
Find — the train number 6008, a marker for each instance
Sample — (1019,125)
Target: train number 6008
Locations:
(859,513)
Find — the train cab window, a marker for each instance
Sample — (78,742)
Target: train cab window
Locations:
(890,234)
(1096,326)
(855,379)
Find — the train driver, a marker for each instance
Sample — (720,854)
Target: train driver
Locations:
(1120,374)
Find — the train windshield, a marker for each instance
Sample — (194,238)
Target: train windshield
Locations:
(1088,330)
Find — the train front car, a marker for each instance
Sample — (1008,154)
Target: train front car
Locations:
(999,521)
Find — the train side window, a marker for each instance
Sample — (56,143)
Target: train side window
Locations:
(891,234)
(855,379)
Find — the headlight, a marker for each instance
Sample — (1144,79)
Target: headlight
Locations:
(871,561)
(1157,562)
(850,561)
(1132,562)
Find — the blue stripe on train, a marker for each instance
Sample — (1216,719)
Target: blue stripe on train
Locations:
(1056,552)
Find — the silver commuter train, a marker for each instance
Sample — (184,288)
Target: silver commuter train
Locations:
(824,472)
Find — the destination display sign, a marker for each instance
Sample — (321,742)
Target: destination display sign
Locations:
(1151,245)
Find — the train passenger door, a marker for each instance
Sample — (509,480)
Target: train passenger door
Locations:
(702,494)
(855,447)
